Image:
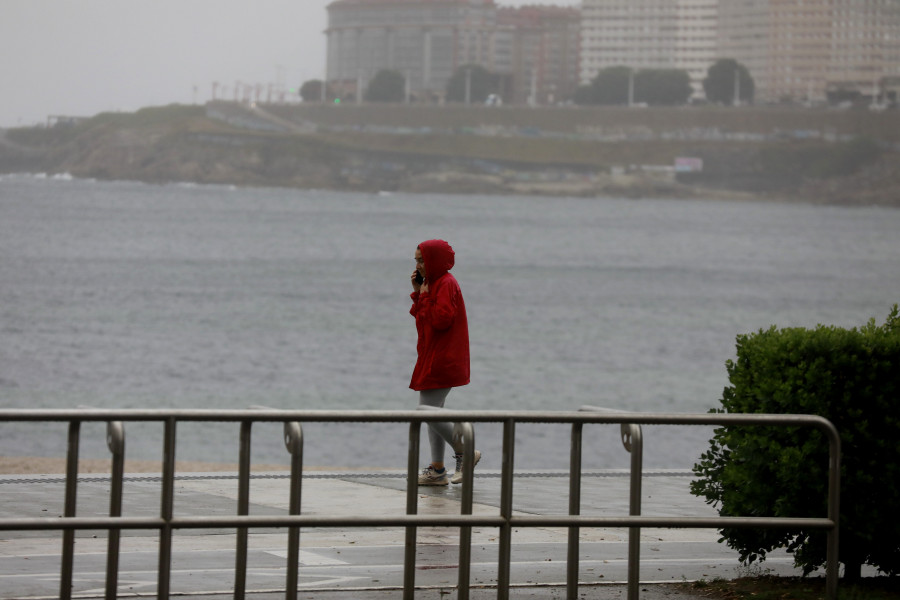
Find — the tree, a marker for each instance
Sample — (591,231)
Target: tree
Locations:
(584,95)
(837,94)
(386,86)
(311,91)
(618,85)
(722,80)
(611,85)
(668,87)
(481,83)
(850,377)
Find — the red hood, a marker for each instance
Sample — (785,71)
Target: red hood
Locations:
(438,256)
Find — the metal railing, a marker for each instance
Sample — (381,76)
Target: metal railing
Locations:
(505,521)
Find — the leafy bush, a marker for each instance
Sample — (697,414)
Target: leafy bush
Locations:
(852,378)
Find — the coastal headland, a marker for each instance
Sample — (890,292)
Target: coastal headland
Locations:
(846,157)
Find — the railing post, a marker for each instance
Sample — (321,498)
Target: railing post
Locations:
(412,491)
(167,505)
(834,512)
(68,544)
(243,508)
(466,433)
(506,508)
(115,440)
(574,510)
(293,441)
(633,439)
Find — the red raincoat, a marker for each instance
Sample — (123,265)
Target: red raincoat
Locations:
(443,345)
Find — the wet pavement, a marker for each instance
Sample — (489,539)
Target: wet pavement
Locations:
(344,562)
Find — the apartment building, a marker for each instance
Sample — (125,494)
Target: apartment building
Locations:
(649,34)
(795,50)
(804,50)
(536,50)
(426,40)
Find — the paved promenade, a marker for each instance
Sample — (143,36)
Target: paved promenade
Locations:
(362,563)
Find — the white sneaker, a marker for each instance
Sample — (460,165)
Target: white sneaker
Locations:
(458,475)
(429,476)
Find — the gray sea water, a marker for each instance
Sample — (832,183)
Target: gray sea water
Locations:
(126,295)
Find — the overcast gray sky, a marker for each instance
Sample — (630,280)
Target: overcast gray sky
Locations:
(83,57)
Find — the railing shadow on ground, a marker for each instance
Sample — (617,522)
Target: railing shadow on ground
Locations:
(505,521)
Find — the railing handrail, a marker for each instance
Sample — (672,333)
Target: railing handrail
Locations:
(505,521)
(391,416)
(200,522)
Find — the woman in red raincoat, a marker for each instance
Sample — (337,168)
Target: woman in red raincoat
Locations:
(443,348)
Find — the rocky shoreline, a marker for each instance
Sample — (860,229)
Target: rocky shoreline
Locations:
(183,144)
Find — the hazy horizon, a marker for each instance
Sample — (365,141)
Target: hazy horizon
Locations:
(91,56)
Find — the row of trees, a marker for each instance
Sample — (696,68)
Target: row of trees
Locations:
(622,85)
(726,81)
(471,83)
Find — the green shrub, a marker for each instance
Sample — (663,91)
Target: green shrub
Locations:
(852,378)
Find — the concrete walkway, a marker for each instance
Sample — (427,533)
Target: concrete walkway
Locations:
(363,563)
